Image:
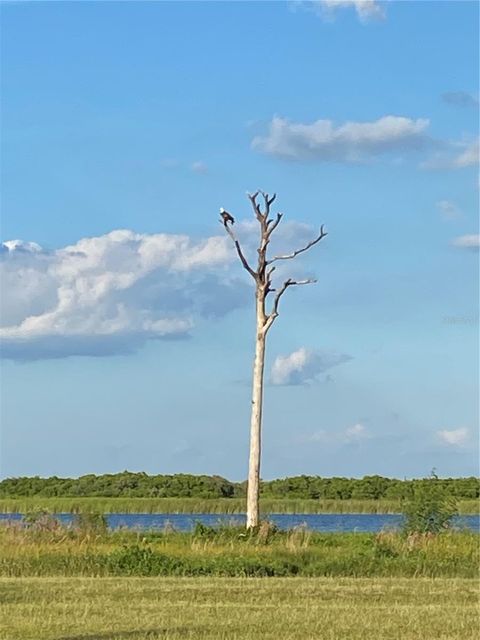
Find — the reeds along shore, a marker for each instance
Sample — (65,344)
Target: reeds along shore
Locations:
(208,505)
(89,549)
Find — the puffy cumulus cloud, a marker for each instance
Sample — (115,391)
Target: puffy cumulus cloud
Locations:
(460,99)
(323,141)
(469,241)
(304,366)
(453,437)
(366,10)
(109,294)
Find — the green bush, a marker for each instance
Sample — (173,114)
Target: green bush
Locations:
(90,523)
(430,511)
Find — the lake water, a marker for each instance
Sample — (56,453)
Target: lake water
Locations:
(327,522)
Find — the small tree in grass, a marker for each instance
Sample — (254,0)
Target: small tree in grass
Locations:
(265,317)
(429,511)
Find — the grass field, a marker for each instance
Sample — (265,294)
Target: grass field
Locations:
(238,609)
(210,505)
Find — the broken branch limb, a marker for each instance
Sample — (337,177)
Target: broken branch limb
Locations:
(243,260)
(274,312)
(289,256)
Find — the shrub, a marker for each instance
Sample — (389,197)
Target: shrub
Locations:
(429,511)
(41,522)
(90,523)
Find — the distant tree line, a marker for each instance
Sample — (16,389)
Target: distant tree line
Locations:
(141,485)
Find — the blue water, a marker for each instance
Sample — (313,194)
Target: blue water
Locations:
(327,522)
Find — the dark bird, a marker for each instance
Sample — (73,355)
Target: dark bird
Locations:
(227,217)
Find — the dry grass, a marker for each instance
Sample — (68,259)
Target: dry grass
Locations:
(234,609)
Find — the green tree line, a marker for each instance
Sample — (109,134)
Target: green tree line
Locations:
(142,485)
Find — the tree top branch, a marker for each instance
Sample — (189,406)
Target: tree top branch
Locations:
(289,256)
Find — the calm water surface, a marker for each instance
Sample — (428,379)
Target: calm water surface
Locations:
(328,522)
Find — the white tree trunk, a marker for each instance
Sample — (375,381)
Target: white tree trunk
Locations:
(253,487)
(263,286)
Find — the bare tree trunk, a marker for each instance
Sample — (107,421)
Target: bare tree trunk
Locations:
(253,487)
(262,276)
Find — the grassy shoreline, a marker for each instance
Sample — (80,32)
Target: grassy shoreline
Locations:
(50,549)
(210,505)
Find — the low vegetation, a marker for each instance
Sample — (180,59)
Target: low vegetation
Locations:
(44,547)
(221,608)
(86,582)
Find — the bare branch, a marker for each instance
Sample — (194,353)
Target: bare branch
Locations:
(274,225)
(289,256)
(268,281)
(269,200)
(256,207)
(270,271)
(274,313)
(243,260)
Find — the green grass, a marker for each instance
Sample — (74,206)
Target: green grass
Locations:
(229,551)
(208,505)
(238,609)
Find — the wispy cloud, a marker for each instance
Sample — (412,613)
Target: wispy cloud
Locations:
(199,167)
(304,365)
(351,142)
(454,155)
(460,99)
(469,241)
(354,434)
(366,10)
(453,437)
(449,210)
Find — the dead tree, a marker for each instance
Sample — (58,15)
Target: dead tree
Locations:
(262,276)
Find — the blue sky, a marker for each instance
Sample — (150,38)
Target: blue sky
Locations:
(127,323)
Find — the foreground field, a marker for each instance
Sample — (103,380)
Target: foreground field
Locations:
(238,609)
(209,505)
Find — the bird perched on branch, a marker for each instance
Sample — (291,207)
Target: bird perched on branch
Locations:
(226,217)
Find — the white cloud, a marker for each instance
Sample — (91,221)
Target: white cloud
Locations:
(111,293)
(456,155)
(471,241)
(323,141)
(366,10)
(304,365)
(449,210)
(356,433)
(453,437)
(468,157)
